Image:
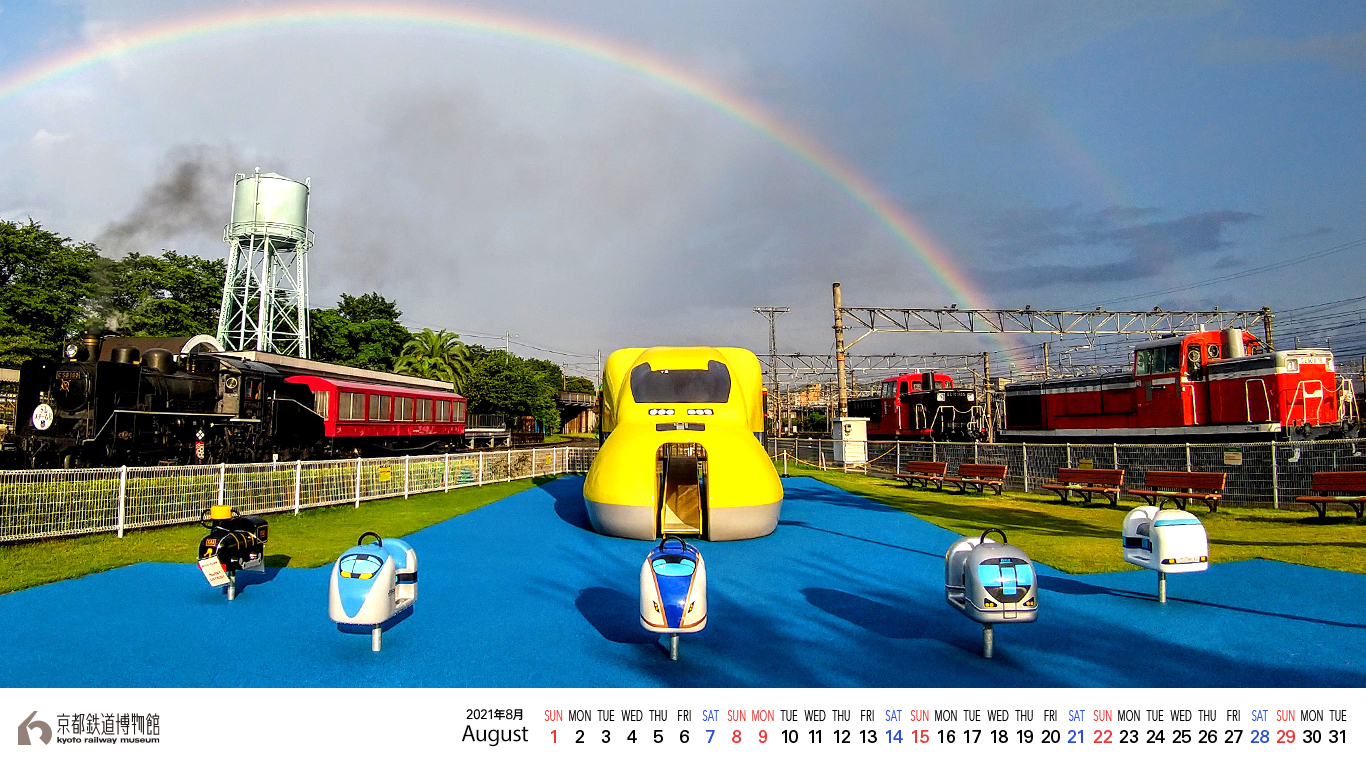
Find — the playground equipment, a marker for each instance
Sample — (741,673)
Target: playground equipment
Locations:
(1166,541)
(683,452)
(372,583)
(234,543)
(990,583)
(673,591)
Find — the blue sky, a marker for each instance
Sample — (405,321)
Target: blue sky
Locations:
(1067,154)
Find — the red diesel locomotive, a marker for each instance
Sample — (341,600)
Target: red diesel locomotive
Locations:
(1207,386)
(921,406)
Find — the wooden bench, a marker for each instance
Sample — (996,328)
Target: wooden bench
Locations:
(1179,487)
(925,472)
(1346,488)
(1087,483)
(980,476)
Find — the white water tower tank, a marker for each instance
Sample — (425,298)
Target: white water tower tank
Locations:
(269,204)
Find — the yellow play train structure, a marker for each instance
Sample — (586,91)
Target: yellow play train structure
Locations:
(684,452)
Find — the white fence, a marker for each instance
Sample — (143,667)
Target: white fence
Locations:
(38,504)
(1258,473)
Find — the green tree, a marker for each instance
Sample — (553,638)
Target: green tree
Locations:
(436,355)
(166,295)
(362,331)
(508,385)
(45,290)
(580,384)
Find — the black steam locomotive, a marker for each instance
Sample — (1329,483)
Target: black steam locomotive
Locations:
(111,402)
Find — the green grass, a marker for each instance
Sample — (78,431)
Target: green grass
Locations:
(310,539)
(1084,538)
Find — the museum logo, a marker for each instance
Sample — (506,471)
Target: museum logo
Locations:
(44,731)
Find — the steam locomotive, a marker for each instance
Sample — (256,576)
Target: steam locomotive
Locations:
(921,406)
(134,401)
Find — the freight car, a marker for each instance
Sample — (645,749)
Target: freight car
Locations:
(118,401)
(1205,386)
(921,406)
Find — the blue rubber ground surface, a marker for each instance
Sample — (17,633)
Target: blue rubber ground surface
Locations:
(845,593)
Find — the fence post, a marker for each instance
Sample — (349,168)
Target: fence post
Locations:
(1188,457)
(821,450)
(406,460)
(222,476)
(1275,480)
(480,481)
(1116,456)
(898,457)
(123,499)
(508,479)
(298,482)
(446,474)
(1069,455)
(976,459)
(1024,452)
(534,465)
(357,482)
(934,450)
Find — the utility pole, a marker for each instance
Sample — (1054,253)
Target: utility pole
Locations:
(839,350)
(1045,359)
(986,397)
(772,314)
(1266,323)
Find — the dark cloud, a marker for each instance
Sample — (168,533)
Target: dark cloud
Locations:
(1050,246)
(189,199)
(1319,231)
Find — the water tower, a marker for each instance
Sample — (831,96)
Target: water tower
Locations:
(265,295)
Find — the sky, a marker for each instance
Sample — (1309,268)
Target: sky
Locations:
(1055,154)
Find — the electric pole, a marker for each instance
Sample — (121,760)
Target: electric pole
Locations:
(772,314)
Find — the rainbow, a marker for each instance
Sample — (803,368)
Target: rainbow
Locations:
(275,16)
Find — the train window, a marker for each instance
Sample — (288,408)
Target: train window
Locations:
(379,407)
(905,388)
(403,409)
(915,385)
(889,389)
(443,410)
(424,410)
(320,404)
(351,406)
(681,385)
(1212,352)
(1158,360)
(459,411)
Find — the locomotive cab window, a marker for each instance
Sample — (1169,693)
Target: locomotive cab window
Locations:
(379,407)
(888,388)
(681,385)
(915,385)
(1157,360)
(905,388)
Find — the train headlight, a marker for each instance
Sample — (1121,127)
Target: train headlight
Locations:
(700,411)
(71,350)
(661,411)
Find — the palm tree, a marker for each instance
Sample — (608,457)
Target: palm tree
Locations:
(436,355)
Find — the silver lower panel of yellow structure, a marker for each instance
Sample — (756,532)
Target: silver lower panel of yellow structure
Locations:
(629,521)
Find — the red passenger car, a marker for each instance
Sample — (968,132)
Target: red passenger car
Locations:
(1212,385)
(364,417)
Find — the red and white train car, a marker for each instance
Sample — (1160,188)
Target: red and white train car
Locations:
(1212,385)
(921,406)
(360,416)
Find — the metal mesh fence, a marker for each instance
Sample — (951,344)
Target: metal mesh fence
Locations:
(37,504)
(1271,474)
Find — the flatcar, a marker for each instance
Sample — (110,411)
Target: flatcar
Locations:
(921,406)
(1205,386)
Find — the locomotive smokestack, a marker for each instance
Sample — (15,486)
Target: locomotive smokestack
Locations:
(1233,343)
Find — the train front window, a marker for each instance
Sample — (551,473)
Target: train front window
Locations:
(681,385)
(360,566)
(889,389)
